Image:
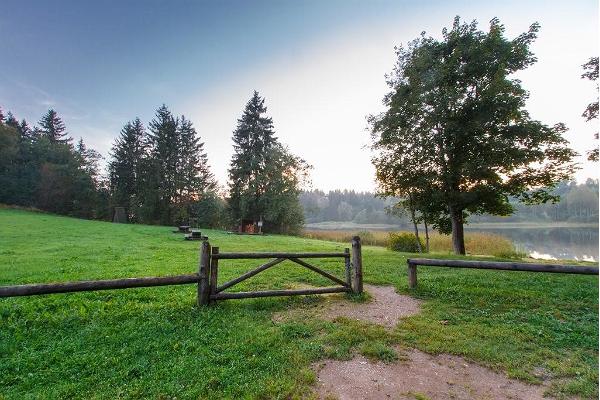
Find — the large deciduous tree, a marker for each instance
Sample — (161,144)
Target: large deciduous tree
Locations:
(591,111)
(456,132)
(264,177)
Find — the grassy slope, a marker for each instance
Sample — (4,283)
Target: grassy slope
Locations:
(154,342)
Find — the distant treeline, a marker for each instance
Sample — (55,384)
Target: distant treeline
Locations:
(578,203)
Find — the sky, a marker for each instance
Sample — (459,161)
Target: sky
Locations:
(320,65)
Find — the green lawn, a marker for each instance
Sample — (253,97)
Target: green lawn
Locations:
(156,343)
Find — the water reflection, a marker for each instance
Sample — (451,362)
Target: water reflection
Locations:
(553,243)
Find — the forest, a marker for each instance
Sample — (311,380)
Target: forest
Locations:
(578,203)
(158,172)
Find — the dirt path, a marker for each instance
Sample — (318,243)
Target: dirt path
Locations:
(421,376)
(385,308)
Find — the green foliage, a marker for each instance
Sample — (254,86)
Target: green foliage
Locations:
(41,168)
(591,111)
(53,128)
(405,242)
(456,135)
(210,211)
(125,168)
(378,351)
(159,175)
(264,177)
(155,342)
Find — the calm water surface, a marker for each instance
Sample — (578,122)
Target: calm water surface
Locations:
(552,243)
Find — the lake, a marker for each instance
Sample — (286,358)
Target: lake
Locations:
(568,243)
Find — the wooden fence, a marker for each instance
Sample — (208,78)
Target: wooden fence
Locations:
(209,290)
(506,266)
(207,275)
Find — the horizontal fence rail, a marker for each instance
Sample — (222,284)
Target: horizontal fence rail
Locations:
(86,286)
(270,293)
(495,265)
(242,256)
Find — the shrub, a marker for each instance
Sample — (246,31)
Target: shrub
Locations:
(367,238)
(404,241)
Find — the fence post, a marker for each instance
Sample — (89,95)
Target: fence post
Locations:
(348,266)
(412,274)
(214,272)
(357,287)
(203,271)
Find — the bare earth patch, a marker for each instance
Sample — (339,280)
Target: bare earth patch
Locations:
(419,376)
(385,308)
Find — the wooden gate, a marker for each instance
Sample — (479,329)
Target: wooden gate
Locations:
(209,290)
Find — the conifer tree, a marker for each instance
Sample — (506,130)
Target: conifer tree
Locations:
(252,139)
(264,178)
(162,166)
(194,176)
(124,168)
(52,127)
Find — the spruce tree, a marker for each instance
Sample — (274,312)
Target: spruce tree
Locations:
(124,168)
(264,178)
(164,144)
(193,171)
(52,127)
(252,140)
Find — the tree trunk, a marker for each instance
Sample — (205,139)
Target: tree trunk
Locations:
(414,221)
(458,234)
(426,236)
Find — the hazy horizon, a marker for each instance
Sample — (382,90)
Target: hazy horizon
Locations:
(320,66)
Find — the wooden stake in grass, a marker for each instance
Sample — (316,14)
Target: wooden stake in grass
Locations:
(412,275)
(357,286)
(214,271)
(203,271)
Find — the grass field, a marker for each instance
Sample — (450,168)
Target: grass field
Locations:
(155,342)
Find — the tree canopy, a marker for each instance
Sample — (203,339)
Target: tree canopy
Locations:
(591,111)
(264,177)
(455,133)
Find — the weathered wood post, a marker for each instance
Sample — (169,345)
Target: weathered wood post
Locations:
(203,271)
(348,266)
(214,272)
(412,274)
(357,286)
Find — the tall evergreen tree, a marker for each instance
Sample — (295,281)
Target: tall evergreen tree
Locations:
(253,138)
(264,178)
(162,166)
(125,167)
(193,172)
(52,127)
(85,181)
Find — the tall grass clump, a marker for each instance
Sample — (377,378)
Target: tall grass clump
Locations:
(476,242)
(405,242)
(368,238)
